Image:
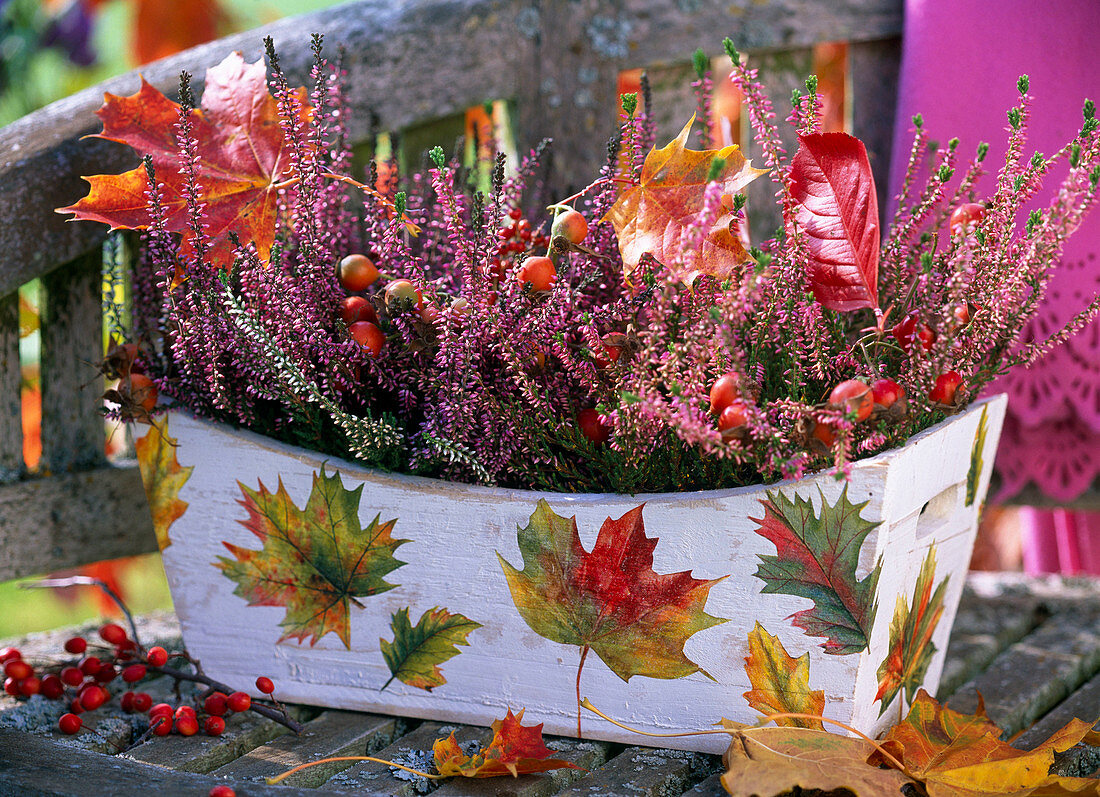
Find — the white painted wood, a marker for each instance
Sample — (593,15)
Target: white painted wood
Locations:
(456,531)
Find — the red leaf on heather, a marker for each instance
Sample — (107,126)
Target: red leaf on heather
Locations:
(241,159)
(514,750)
(837,207)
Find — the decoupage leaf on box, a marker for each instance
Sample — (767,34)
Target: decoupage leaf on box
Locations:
(515,750)
(962,755)
(781,683)
(315,561)
(771,761)
(911,631)
(242,158)
(837,208)
(163,478)
(816,558)
(610,600)
(974,474)
(652,216)
(416,652)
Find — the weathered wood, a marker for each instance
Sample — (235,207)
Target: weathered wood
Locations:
(875,67)
(33,766)
(72,341)
(587,755)
(1083,704)
(11,427)
(397,53)
(333,733)
(711,787)
(646,773)
(72,519)
(413,749)
(1065,649)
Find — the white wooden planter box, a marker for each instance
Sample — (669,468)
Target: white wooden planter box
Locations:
(463,547)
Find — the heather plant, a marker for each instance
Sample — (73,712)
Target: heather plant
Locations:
(485,338)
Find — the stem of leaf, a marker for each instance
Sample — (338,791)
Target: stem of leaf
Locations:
(580,666)
(289,772)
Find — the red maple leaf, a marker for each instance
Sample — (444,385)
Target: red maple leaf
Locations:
(514,750)
(837,207)
(242,158)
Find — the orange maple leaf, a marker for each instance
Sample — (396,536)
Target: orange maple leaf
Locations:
(653,216)
(163,477)
(242,158)
(514,750)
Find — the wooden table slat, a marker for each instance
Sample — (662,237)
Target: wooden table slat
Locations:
(645,772)
(1083,704)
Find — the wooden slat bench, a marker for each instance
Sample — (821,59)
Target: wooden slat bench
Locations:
(1031,649)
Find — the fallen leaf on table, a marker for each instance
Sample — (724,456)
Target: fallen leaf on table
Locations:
(652,217)
(514,750)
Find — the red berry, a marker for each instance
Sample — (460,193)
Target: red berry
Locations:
(221,790)
(127,701)
(187,725)
(538,272)
(186,711)
(886,392)
(733,417)
(595,430)
(157,656)
(851,395)
(368,336)
(73,676)
(112,634)
(966,215)
(161,709)
(725,389)
(106,673)
(9,654)
(825,434)
(429,313)
(908,328)
(947,386)
(133,673)
(239,701)
(357,273)
(401,294)
(93,697)
(570,224)
(142,702)
(515,214)
(611,354)
(76,645)
(52,687)
(11,686)
(30,686)
(69,723)
(75,706)
(213,726)
(265,684)
(18,669)
(356,308)
(90,665)
(161,724)
(215,704)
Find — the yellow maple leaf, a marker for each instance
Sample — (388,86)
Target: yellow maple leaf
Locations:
(653,216)
(781,683)
(163,478)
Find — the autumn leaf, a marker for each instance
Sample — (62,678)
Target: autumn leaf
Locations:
(911,630)
(780,683)
(816,558)
(652,216)
(415,654)
(514,750)
(163,478)
(962,755)
(974,474)
(781,761)
(610,600)
(315,561)
(162,29)
(837,208)
(242,158)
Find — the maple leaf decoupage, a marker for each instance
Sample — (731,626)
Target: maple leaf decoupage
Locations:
(315,561)
(242,158)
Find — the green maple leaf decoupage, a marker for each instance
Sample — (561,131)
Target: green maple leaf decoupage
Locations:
(315,561)
(816,558)
(609,601)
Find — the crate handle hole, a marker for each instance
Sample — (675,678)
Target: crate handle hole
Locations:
(937,510)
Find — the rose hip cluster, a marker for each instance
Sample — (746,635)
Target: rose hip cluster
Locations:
(83,683)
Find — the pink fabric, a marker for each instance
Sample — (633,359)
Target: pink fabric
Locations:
(960,62)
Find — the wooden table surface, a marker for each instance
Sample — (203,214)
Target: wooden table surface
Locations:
(1030,647)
